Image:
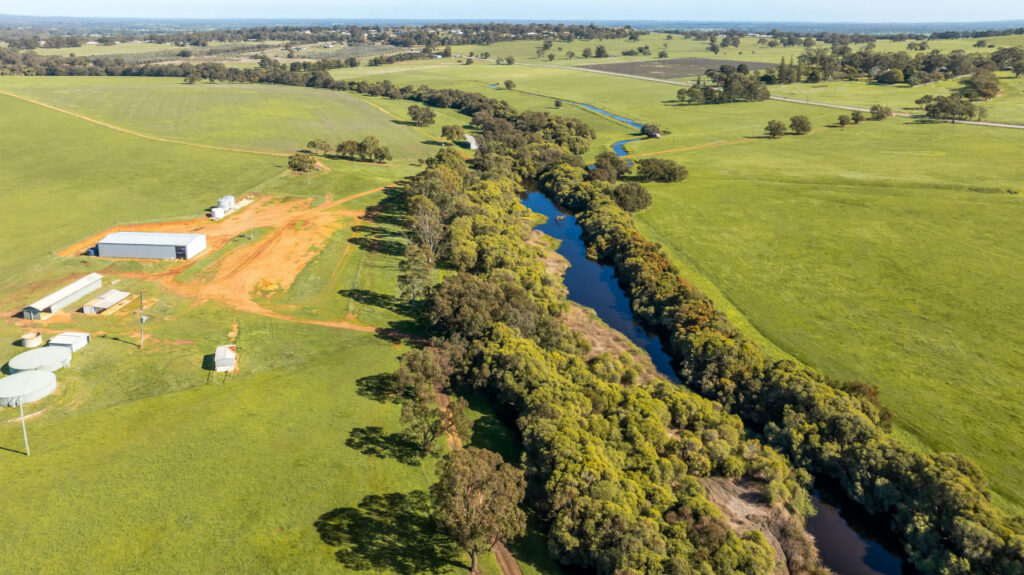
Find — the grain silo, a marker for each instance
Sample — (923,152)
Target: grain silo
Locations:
(26,387)
(41,358)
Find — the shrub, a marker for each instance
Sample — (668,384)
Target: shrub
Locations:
(631,196)
(800,125)
(659,170)
(775,129)
(880,112)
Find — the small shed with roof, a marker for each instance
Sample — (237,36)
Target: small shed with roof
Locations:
(73,340)
(104,302)
(224,358)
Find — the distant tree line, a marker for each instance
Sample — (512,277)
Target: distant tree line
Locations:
(841,62)
(403,36)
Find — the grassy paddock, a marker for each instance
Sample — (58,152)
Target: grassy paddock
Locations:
(248,116)
(1007,107)
(143,460)
(887,258)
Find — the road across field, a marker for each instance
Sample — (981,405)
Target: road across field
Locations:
(776,98)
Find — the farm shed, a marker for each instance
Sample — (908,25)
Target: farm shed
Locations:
(63,297)
(41,359)
(151,245)
(29,386)
(73,340)
(224,358)
(105,302)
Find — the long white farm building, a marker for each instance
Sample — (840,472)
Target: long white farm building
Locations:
(151,245)
(63,297)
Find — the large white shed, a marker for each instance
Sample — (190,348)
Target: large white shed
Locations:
(151,245)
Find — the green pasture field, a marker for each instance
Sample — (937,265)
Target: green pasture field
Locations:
(144,461)
(883,252)
(525,51)
(1007,107)
(141,464)
(641,100)
(247,116)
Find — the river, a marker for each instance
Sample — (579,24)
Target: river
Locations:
(851,543)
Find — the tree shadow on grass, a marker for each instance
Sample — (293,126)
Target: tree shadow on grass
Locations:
(391,532)
(373,441)
(394,218)
(387,247)
(383,301)
(490,432)
(381,387)
(376,231)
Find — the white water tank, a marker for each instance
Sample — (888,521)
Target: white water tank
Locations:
(226,203)
(217,213)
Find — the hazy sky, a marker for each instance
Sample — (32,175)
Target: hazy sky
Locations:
(778,10)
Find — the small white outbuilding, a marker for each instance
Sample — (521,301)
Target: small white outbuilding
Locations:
(74,340)
(224,358)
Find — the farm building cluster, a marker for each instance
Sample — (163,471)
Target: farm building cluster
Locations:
(31,373)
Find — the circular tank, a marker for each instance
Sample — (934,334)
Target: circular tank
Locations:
(32,339)
(43,359)
(28,385)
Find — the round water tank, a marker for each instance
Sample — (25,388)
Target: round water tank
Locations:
(32,339)
(217,213)
(43,359)
(29,386)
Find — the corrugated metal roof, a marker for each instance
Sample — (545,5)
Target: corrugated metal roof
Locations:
(68,337)
(109,299)
(64,292)
(150,238)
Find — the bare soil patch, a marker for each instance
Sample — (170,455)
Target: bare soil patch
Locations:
(271,263)
(603,338)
